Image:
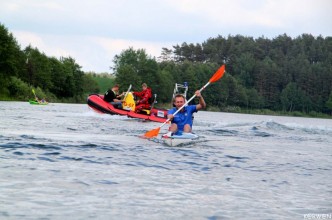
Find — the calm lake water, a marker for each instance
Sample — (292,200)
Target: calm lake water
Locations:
(64,161)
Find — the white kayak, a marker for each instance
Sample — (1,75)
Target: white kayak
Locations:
(180,139)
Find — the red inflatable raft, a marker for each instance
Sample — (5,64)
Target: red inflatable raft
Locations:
(97,103)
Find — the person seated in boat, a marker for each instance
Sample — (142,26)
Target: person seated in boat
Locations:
(37,99)
(183,120)
(112,96)
(144,98)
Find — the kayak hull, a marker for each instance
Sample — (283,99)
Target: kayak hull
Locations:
(33,102)
(184,136)
(183,139)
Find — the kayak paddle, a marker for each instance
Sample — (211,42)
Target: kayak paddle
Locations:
(217,75)
(127,93)
(33,91)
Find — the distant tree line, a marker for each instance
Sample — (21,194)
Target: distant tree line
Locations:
(280,74)
(56,79)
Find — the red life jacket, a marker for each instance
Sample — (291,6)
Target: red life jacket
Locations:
(144,96)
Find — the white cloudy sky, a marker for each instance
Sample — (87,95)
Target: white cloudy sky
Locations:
(94,31)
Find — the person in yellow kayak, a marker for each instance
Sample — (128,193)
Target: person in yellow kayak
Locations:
(183,121)
(112,96)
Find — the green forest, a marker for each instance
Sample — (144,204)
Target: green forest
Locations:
(283,74)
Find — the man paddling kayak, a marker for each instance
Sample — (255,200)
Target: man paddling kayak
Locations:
(183,120)
(216,76)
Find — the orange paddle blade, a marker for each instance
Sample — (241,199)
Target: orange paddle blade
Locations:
(152,133)
(220,72)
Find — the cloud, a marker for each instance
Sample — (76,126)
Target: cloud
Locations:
(42,43)
(93,32)
(56,46)
(93,53)
(266,17)
(116,46)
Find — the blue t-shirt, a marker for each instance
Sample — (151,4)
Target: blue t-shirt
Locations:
(183,117)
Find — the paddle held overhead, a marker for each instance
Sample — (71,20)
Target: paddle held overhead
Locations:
(217,75)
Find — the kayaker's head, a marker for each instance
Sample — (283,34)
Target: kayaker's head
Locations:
(179,101)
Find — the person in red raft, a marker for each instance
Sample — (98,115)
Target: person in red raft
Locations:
(144,98)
